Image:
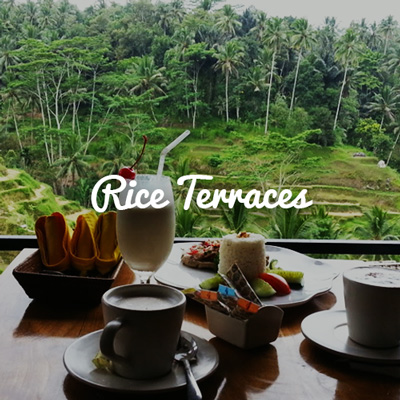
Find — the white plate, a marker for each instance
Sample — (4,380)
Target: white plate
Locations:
(318,275)
(78,362)
(328,330)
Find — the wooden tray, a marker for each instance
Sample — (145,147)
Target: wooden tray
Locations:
(41,284)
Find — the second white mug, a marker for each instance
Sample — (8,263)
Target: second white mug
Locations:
(372,300)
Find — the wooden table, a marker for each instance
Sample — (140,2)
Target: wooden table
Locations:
(34,336)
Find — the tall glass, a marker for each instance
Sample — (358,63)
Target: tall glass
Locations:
(146,235)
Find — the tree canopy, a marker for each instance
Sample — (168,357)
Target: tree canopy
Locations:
(79,83)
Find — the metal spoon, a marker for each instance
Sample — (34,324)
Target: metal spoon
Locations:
(187,350)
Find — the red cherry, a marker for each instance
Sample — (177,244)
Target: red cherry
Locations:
(127,173)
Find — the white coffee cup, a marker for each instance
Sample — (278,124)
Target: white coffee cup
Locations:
(143,324)
(372,300)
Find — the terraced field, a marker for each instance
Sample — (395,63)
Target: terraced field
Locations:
(22,201)
(346,185)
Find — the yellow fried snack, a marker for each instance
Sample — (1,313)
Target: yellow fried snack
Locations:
(108,253)
(83,248)
(53,238)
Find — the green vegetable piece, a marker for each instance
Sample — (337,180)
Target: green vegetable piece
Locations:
(212,283)
(272,264)
(262,288)
(292,277)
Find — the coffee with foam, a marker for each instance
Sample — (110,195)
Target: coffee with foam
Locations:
(145,303)
(372,300)
(376,276)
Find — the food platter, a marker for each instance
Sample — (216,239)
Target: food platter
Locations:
(318,275)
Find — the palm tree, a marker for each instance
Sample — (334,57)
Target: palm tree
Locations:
(374,39)
(385,103)
(7,55)
(393,64)
(82,193)
(166,18)
(362,30)
(177,10)
(47,15)
(181,168)
(302,38)
(261,25)
(30,31)
(150,78)
(118,155)
(377,226)
(184,38)
(227,21)
(75,165)
(323,225)
(186,221)
(289,224)
(8,21)
(31,12)
(327,36)
(206,5)
(396,131)
(348,48)
(275,36)
(255,78)
(386,29)
(228,59)
(235,218)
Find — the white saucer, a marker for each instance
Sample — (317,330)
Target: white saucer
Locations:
(78,361)
(328,330)
(318,275)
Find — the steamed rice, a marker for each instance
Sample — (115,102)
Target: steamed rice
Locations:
(246,250)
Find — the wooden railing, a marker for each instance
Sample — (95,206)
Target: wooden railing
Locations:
(19,242)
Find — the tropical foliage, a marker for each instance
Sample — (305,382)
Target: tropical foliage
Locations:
(79,88)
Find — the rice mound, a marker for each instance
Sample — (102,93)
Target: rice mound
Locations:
(246,250)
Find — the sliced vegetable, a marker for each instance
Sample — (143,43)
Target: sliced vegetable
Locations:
(212,283)
(277,282)
(291,277)
(272,264)
(262,288)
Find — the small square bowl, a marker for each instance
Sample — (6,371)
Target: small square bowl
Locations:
(259,330)
(41,284)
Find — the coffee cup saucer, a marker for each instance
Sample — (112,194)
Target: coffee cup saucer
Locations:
(328,330)
(78,362)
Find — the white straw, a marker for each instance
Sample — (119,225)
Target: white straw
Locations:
(167,149)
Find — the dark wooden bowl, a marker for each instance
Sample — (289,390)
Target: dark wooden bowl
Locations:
(42,284)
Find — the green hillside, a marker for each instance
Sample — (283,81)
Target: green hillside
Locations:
(347,185)
(24,199)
